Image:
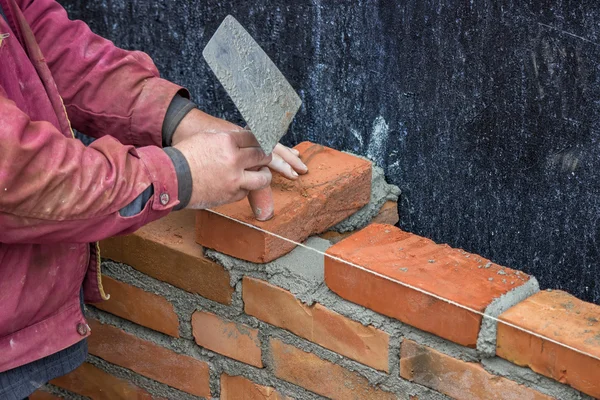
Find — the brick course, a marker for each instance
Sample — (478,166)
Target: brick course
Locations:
(564,318)
(466,279)
(165,250)
(316,323)
(149,359)
(139,306)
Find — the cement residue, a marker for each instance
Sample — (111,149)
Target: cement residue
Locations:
(486,341)
(301,271)
(381,191)
(527,377)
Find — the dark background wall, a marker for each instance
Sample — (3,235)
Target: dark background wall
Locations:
(485,113)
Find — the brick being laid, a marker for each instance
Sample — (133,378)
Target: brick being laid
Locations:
(337,185)
(561,317)
(406,265)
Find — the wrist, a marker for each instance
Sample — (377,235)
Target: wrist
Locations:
(184,176)
(179,108)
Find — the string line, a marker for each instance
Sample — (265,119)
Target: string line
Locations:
(409,286)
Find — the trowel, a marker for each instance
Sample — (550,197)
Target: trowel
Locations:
(266,100)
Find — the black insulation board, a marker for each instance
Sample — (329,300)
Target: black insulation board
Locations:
(485,113)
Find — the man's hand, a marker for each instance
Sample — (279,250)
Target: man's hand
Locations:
(221,162)
(227,163)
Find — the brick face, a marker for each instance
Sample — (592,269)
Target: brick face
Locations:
(457,378)
(316,323)
(561,317)
(240,388)
(149,359)
(465,278)
(231,339)
(165,250)
(321,376)
(90,381)
(337,185)
(139,306)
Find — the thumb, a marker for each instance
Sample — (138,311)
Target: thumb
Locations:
(261,202)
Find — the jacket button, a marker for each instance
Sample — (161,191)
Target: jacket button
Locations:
(164,199)
(82,329)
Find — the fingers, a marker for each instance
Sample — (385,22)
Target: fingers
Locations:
(285,169)
(244,138)
(251,157)
(255,180)
(286,162)
(261,202)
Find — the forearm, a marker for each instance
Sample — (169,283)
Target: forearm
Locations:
(57,189)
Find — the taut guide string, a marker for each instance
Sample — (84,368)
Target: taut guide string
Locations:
(423,291)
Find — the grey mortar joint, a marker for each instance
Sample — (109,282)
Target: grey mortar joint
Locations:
(486,340)
(302,269)
(381,191)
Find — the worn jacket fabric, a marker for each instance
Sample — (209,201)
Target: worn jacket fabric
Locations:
(56,195)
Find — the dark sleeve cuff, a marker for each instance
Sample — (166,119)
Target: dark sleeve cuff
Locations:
(184,177)
(178,109)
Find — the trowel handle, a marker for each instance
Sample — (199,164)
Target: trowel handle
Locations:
(261,202)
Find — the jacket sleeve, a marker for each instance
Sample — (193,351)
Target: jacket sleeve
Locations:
(54,189)
(106,90)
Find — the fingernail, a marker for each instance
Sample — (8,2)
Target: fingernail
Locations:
(294,173)
(296,152)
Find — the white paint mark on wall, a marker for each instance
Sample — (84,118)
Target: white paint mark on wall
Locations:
(358,137)
(377,142)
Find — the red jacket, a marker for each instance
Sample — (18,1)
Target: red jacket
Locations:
(56,195)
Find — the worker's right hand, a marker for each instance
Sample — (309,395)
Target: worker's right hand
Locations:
(221,164)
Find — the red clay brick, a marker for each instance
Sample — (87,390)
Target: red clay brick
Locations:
(41,395)
(329,329)
(337,185)
(561,317)
(166,250)
(234,340)
(90,381)
(419,262)
(457,378)
(320,376)
(149,359)
(139,306)
(240,388)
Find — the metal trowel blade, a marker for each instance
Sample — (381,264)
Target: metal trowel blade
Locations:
(266,100)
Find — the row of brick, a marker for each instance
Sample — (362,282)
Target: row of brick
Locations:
(405,263)
(418,363)
(280,308)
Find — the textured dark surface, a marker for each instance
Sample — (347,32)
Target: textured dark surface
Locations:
(486,114)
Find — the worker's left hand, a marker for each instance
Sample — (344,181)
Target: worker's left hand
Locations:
(285,160)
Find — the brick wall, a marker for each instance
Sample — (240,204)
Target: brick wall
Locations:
(256,318)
